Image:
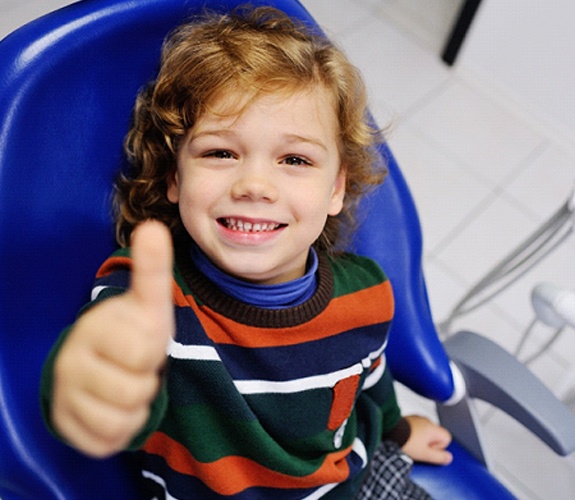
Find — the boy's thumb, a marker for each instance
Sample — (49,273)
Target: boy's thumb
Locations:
(152,261)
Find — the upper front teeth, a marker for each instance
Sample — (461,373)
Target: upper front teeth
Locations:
(239,225)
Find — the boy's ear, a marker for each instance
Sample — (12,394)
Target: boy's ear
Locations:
(173,192)
(338,193)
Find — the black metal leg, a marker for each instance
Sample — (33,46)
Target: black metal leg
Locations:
(459,31)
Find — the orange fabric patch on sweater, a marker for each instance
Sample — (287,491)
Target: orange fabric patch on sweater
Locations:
(344,394)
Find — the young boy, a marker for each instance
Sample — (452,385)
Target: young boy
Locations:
(252,146)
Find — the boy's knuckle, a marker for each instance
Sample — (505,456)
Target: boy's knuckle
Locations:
(119,428)
(140,357)
(138,393)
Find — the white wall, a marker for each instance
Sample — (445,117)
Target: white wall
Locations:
(527,49)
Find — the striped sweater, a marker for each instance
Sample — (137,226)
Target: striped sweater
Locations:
(268,403)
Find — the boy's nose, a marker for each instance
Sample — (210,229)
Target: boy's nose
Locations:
(255,185)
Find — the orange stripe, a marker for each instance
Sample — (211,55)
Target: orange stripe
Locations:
(182,300)
(234,474)
(112,264)
(375,305)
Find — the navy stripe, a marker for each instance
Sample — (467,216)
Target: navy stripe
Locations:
(119,278)
(284,363)
(189,328)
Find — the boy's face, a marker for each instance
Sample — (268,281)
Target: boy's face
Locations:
(255,189)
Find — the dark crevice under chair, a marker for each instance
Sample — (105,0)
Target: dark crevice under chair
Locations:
(67,86)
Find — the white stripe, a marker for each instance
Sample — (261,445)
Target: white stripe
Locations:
(301,384)
(208,353)
(374,377)
(96,291)
(320,492)
(313,382)
(195,352)
(372,356)
(359,448)
(160,481)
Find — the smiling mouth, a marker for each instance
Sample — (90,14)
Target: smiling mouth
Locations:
(246,226)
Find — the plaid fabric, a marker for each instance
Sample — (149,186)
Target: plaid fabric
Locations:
(388,477)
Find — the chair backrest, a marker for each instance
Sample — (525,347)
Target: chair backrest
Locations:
(67,86)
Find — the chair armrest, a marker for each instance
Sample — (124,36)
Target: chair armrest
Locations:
(493,375)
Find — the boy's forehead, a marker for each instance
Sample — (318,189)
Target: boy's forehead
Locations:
(306,115)
(231,103)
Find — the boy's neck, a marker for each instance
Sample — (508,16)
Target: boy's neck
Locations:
(280,296)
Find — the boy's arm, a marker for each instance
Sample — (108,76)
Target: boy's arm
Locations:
(419,438)
(108,371)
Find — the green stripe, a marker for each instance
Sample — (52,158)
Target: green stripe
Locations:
(210,436)
(353,273)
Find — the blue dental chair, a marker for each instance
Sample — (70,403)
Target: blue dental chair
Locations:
(67,87)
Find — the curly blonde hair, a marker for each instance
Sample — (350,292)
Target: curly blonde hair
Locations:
(250,51)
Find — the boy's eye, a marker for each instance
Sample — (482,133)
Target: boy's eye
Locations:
(220,153)
(296,161)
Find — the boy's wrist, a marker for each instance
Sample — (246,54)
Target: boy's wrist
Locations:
(400,433)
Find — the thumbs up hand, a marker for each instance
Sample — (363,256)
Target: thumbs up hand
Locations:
(109,369)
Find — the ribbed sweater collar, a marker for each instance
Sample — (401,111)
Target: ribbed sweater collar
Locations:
(213,297)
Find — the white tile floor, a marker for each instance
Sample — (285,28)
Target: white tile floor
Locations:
(484,177)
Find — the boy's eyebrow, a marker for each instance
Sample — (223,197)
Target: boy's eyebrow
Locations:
(310,140)
(216,132)
(291,137)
